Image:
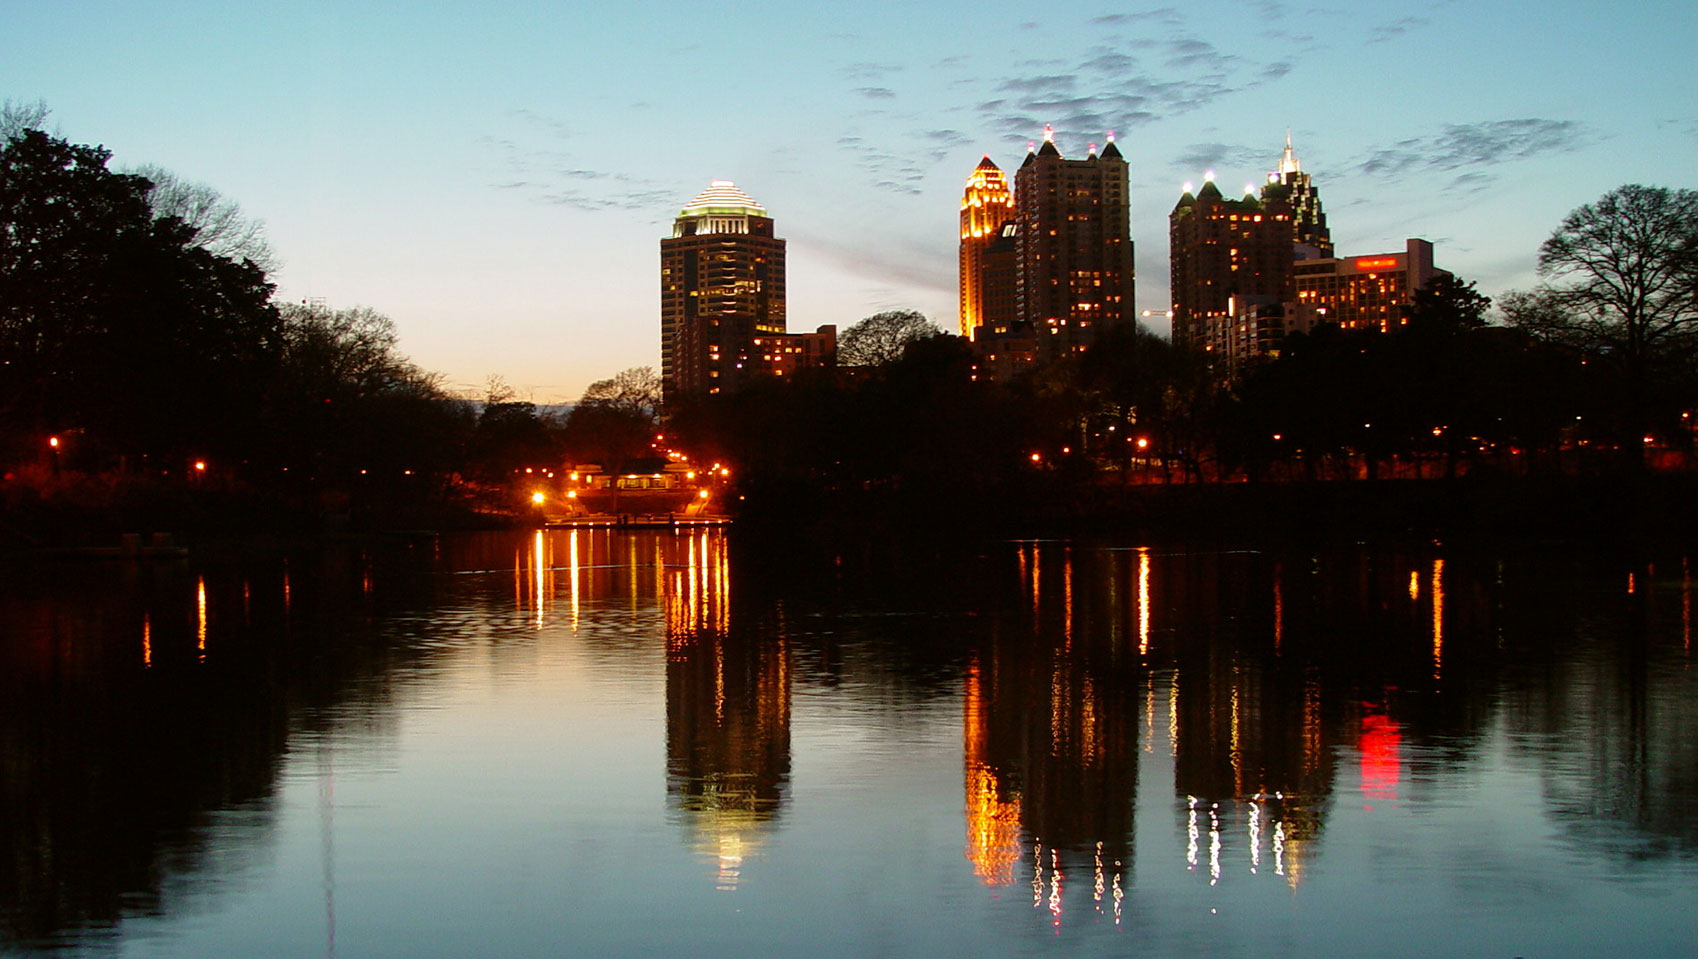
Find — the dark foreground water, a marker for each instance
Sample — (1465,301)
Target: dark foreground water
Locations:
(659,744)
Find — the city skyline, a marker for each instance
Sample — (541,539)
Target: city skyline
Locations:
(494,182)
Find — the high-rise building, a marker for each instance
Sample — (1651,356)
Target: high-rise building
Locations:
(1073,262)
(1226,256)
(721,288)
(987,252)
(1246,273)
(1308,221)
(1366,292)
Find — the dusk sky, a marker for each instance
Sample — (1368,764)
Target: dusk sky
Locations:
(498,180)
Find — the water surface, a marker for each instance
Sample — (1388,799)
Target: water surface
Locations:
(643,743)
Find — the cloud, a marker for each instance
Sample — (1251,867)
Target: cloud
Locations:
(876,93)
(1469,184)
(1109,62)
(1108,88)
(1460,146)
(894,263)
(1166,16)
(1686,125)
(867,70)
(551,174)
(1386,32)
(1185,52)
(1212,156)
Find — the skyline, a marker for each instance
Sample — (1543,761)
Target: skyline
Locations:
(498,184)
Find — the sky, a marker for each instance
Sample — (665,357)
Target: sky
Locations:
(498,180)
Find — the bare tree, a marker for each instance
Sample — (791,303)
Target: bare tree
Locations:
(1621,283)
(636,391)
(883,337)
(351,350)
(1621,277)
(16,117)
(220,226)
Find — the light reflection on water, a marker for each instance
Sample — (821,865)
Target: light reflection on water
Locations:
(600,741)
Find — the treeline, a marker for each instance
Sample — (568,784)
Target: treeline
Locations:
(149,376)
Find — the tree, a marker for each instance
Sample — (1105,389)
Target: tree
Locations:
(218,223)
(635,391)
(346,403)
(15,118)
(615,418)
(113,321)
(882,337)
(1621,283)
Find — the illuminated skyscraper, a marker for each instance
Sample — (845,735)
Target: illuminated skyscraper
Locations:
(987,252)
(1308,222)
(1225,257)
(721,288)
(1074,246)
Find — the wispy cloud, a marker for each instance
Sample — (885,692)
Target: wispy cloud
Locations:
(549,172)
(1485,144)
(1110,86)
(1209,156)
(1386,32)
(876,93)
(868,70)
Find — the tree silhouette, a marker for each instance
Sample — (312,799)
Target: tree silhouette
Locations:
(116,323)
(882,337)
(1621,284)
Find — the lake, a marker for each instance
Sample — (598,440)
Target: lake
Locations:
(653,743)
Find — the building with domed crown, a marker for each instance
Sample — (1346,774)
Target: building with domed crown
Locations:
(721,293)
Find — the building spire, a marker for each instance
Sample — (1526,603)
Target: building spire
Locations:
(1288,160)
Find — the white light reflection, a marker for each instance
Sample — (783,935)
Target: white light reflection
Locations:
(572,559)
(1191,834)
(539,561)
(1255,829)
(1037,874)
(1055,890)
(1214,844)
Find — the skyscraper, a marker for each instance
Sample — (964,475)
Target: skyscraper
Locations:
(1296,188)
(1225,256)
(1073,261)
(987,252)
(721,288)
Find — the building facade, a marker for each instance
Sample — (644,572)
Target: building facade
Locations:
(1226,256)
(1247,273)
(784,354)
(1290,184)
(987,252)
(1073,247)
(1366,292)
(721,289)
